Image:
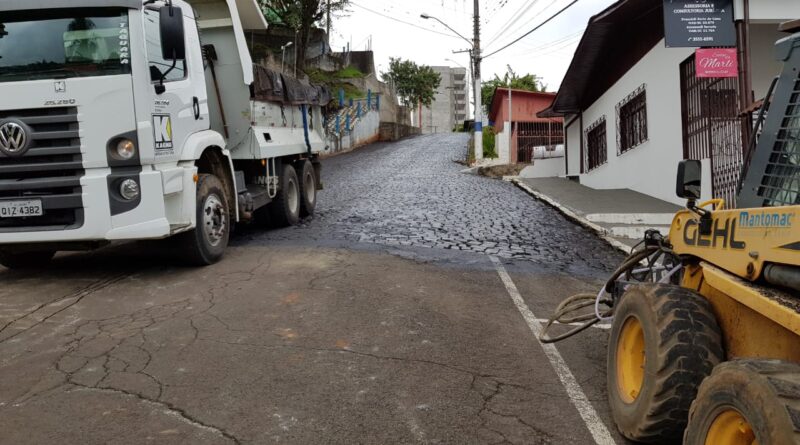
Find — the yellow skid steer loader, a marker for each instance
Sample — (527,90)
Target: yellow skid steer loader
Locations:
(715,358)
(704,346)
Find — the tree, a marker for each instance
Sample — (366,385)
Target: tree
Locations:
(415,84)
(301,16)
(528,82)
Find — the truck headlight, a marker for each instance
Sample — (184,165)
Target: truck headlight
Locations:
(129,189)
(126,149)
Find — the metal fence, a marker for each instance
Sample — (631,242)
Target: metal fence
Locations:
(531,135)
(713,128)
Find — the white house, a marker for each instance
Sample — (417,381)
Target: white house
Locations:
(634,108)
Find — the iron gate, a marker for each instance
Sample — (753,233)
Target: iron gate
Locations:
(532,135)
(713,128)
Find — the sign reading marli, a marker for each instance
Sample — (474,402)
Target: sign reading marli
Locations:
(717,62)
(699,23)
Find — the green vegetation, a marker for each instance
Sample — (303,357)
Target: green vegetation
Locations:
(335,81)
(301,16)
(528,82)
(489,150)
(415,84)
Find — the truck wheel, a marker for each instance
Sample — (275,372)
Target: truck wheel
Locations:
(308,189)
(285,209)
(206,244)
(26,260)
(747,402)
(664,341)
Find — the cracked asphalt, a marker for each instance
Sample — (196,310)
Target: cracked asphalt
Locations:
(380,321)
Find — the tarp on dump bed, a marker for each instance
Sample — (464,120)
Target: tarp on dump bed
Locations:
(272,86)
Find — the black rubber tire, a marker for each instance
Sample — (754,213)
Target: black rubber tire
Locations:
(682,343)
(195,246)
(765,392)
(285,209)
(308,188)
(26,260)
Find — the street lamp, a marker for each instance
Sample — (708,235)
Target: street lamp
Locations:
(475,52)
(283,53)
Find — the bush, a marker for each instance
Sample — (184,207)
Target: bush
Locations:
(489,150)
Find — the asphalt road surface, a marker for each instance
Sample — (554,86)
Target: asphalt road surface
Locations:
(403,313)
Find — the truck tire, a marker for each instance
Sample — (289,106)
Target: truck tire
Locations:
(664,341)
(308,189)
(26,260)
(747,401)
(285,208)
(206,244)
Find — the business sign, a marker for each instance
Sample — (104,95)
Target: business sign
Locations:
(699,23)
(717,62)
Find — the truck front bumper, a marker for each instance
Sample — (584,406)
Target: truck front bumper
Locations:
(99,221)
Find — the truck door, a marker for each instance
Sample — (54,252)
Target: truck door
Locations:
(183,107)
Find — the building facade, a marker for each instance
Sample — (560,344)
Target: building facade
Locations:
(532,136)
(449,107)
(634,108)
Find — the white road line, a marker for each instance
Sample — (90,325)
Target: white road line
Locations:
(596,426)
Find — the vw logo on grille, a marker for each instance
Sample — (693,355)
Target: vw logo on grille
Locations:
(13,138)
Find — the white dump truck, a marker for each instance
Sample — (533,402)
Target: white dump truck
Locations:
(134,119)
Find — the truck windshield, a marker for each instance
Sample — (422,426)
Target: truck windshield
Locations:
(62,43)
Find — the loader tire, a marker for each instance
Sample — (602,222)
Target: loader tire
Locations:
(206,244)
(664,341)
(26,260)
(285,209)
(308,188)
(747,401)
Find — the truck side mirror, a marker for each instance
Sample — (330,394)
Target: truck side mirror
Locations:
(173,43)
(690,180)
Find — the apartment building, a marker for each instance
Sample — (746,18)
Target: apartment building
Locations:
(450,106)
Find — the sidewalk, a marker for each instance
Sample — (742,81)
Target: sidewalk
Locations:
(619,216)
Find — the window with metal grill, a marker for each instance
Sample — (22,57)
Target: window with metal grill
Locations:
(632,120)
(596,145)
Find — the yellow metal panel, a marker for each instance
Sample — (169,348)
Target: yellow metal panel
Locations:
(742,241)
(752,325)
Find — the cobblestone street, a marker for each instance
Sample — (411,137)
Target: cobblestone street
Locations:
(404,312)
(413,193)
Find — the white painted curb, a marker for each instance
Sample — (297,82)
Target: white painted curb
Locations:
(603,233)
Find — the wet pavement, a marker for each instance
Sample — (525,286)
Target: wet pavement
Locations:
(381,320)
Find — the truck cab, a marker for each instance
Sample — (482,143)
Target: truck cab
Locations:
(134,119)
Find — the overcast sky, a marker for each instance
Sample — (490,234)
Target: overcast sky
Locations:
(547,52)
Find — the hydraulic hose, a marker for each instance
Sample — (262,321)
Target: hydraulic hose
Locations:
(573,309)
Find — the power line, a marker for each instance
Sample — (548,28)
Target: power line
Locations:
(534,29)
(515,17)
(507,33)
(403,21)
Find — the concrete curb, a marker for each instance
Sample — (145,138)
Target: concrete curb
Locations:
(599,231)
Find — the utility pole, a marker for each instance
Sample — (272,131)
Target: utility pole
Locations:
(510,120)
(476,54)
(328,27)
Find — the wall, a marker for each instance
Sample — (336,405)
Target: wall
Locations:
(544,168)
(392,131)
(769,10)
(762,57)
(365,130)
(650,168)
(573,135)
